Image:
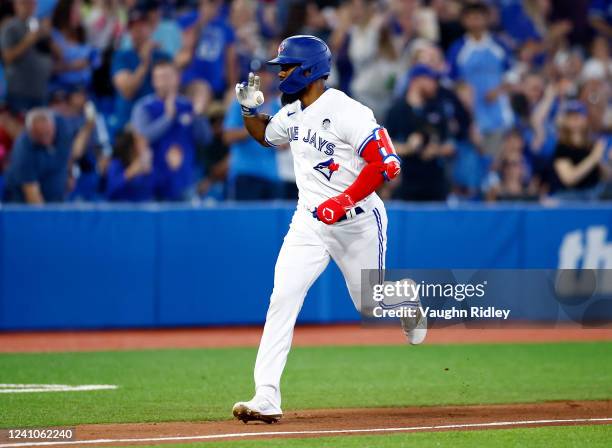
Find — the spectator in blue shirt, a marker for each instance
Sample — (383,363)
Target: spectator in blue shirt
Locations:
(129,176)
(38,169)
(600,17)
(131,69)
(481,60)
(208,51)
(167,121)
(253,173)
(78,59)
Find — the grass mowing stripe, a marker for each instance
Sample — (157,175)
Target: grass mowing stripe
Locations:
(188,385)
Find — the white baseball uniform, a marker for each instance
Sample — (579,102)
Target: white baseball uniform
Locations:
(325,139)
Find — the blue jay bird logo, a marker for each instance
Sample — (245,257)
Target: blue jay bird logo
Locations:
(327,168)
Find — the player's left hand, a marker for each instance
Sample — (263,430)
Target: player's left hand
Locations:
(333,209)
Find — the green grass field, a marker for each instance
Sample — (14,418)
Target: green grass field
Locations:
(190,385)
(177,385)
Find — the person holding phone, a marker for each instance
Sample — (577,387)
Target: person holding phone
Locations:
(424,142)
(25,46)
(579,163)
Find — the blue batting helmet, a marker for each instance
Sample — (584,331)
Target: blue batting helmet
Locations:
(309,53)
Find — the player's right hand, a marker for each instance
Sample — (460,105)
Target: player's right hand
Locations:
(248,93)
(333,209)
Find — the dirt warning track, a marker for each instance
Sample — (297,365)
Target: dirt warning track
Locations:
(330,422)
(305,335)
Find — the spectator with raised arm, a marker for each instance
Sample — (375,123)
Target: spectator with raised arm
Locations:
(131,69)
(104,22)
(373,56)
(26,54)
(249,43)
(364,32)
(82,119)
(208,52)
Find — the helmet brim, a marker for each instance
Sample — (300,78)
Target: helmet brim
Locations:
(282,60)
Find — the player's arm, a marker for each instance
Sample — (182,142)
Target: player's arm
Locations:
(250,98)
(383,165)
(256,126)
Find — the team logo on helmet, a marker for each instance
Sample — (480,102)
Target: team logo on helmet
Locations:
(281,47)
(327,168)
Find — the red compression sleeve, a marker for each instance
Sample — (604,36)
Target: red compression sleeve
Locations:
(371,176)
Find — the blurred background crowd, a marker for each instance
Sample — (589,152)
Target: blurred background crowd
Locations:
(133,100)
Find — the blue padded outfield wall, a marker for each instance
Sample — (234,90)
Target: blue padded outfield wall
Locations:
(102,267)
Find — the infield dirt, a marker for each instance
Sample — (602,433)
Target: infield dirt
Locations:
(317,423)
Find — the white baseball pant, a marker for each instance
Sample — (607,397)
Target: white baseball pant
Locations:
(354,244)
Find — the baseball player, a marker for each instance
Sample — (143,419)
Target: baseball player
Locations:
(341,156)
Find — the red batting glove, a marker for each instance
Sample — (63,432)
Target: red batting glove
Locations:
(334,208)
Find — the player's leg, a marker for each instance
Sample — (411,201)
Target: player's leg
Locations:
(362,244)
(303,257)
(301,260)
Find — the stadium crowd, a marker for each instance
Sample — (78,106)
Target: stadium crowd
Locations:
(133,100)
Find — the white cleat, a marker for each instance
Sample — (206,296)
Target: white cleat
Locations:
(415,327)
(258,409)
